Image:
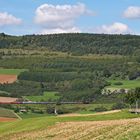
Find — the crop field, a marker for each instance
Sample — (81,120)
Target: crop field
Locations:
(7,99)
(7,113)
(116,126)
(5,119)
(47,96)
(126,84)
(11,71)
(100,130)
(8,78)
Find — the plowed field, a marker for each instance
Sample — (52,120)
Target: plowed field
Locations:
(7,78)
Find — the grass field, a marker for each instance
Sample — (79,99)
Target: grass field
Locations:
(46,97)
(98,125)
(7,113)
(11,71)
(127,84)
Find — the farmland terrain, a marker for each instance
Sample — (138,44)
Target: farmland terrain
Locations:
(96,71)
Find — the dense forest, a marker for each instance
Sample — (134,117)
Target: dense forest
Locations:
(77,43)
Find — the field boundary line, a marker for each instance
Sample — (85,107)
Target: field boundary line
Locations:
(17,115)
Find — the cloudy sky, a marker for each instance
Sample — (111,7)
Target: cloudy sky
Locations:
(18,17)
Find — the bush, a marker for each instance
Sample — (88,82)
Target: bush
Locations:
(100,109)
(50,109)
(118,83)
(63,111)
(119,106)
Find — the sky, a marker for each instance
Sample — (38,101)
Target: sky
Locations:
(21,17)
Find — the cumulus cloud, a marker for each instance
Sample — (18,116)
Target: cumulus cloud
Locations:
(59,18)
(132,12)
(115,28)
(59,30)
(8,19)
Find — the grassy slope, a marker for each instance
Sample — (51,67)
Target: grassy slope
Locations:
(47,96)
(7,113)
(11,71)
(127,84)
(43,122)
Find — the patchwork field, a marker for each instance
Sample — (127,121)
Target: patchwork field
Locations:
(99,130)
(6,113)
(116,126)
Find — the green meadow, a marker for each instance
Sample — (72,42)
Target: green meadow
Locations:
(47,96)
(126,84)
(11,71)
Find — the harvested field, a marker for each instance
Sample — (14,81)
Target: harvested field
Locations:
(7,99)
(7,78)
(128,129)
(3,119)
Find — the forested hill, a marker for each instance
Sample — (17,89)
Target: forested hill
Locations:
(76,43)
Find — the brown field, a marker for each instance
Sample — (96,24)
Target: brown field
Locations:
(128,129)
(7,99)
(4,78)
(5,119)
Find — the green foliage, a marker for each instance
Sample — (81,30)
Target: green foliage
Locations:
(100,109)
(77,44)
(119,105)
(22,88)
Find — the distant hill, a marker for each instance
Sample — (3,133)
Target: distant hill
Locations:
(76,43)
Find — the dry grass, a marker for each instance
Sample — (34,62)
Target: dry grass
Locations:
(128,129)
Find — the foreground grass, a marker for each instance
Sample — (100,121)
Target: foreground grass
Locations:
(11,71)
(40,123)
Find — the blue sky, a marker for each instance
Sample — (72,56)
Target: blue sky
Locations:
(18,17)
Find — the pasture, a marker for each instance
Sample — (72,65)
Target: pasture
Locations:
(47,96)
(126,84)
(4,71)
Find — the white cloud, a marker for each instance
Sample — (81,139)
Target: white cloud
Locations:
(132,12)
(60,30)
(8,19)
(60,18)
(115,28)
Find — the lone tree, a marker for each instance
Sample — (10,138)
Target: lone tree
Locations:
(133,97)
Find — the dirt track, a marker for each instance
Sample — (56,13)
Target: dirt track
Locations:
(7,78)
(99,113)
